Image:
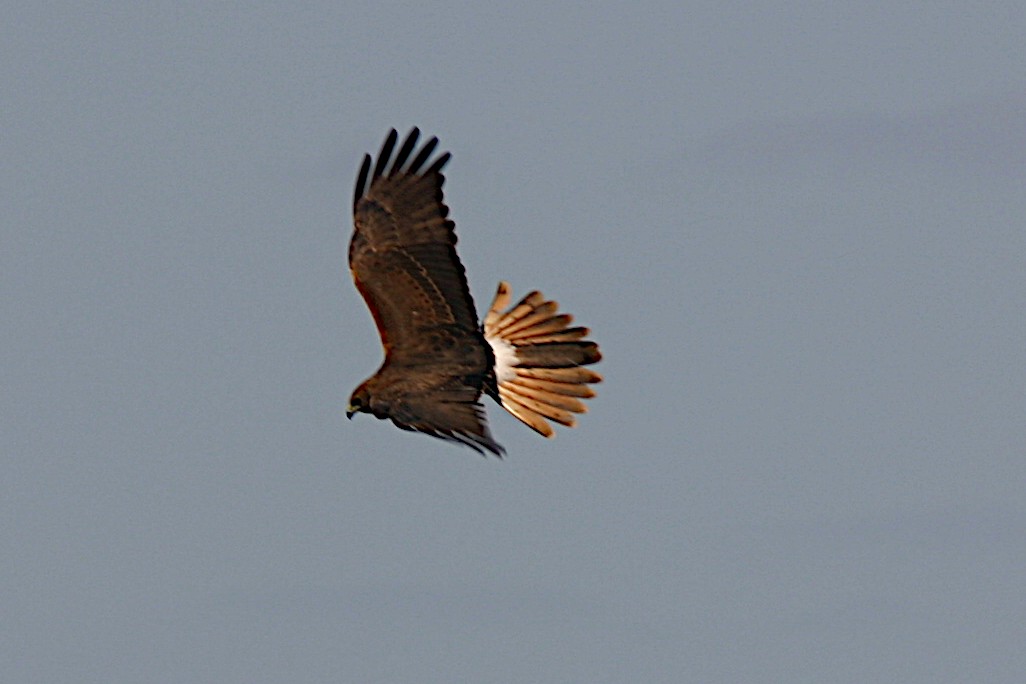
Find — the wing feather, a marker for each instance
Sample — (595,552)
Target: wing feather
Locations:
(385,153)
(403,252)
(404,151)
(455,416)
(422,156)
(361,181)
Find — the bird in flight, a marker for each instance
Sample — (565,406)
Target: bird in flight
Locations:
(438,358)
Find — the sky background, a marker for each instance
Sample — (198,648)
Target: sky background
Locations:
(796,229)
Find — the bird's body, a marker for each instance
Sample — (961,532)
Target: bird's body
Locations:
(438,358)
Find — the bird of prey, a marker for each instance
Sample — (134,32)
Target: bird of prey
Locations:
(438,358)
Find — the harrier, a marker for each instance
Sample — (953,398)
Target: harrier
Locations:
(438,357)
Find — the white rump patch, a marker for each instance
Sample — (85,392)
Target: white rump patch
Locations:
(505,358)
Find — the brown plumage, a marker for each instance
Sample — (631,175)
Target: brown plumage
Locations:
(438,359)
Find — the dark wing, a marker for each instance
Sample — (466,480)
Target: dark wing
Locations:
(453,414)
(403,258)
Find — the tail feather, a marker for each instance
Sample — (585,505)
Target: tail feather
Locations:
(540,407)
(524,308)
(530,418)
(541,315)
(539,360)
(565,388)
(554,324)
(556,399)
(557,354)
(568,335)
(501,301)
(571,375)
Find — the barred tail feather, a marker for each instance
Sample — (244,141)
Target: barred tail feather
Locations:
(539,360)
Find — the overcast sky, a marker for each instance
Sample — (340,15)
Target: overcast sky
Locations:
(796,229)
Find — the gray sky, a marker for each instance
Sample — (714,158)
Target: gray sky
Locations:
(797,230)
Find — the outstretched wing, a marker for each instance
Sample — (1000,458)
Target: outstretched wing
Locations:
(453,414)
(403,258)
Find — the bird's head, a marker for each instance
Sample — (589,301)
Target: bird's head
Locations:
(359,401)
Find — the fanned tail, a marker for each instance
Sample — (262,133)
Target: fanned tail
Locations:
(538,360)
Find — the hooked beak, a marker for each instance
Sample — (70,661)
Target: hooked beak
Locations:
(350,412)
